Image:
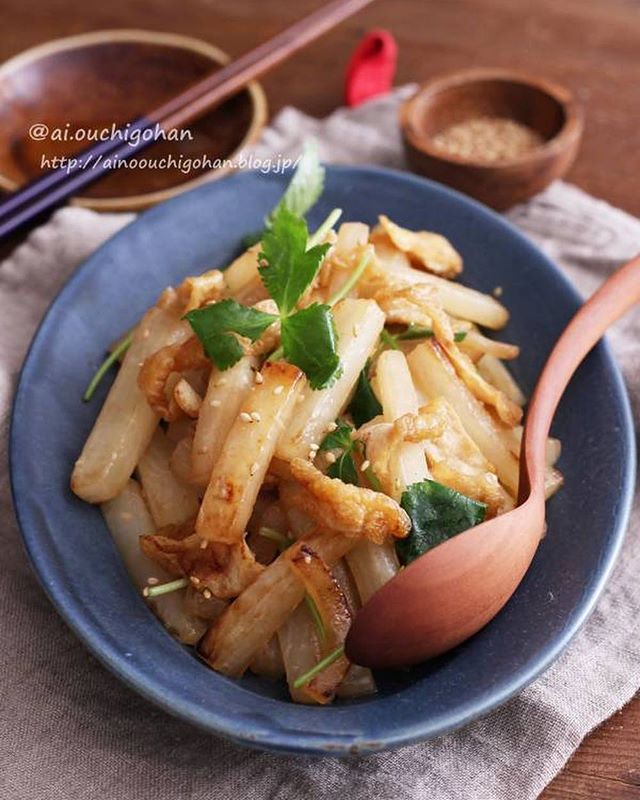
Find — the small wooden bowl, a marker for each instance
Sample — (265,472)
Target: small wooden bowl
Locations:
(96,80)
(543,106)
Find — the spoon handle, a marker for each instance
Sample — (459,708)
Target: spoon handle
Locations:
(610,302)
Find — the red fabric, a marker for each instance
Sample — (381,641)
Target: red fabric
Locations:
(371,68)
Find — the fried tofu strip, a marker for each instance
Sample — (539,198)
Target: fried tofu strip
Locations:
(354,511)
(358,324)
(461,302)
(508,411)
(456,461)
(435,377)
(157,369)
(238,474)
(226,392)
(126,423)
(224,569)
(258,613)
(127,518)
(170,501)
(332,606)
(431,251)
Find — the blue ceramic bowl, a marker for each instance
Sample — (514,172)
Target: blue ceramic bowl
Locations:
(79,567)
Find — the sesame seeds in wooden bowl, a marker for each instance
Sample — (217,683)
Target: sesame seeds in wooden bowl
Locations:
(498,136)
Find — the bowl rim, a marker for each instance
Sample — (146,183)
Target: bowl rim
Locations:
(216,55)
(566,138)
(288,739)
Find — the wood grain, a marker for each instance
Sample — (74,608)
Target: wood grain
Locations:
(590,45)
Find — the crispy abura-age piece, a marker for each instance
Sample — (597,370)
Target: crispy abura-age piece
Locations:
(251,620)
(435,377)
(224,569)
(333,609)
(126,423)
(240,471)
(351,510)
(462,302)
(509,412)
(158,368)
(431,251)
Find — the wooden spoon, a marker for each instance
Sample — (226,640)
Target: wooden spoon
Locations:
(452,591)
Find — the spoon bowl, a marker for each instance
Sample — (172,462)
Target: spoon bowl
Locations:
(455,589)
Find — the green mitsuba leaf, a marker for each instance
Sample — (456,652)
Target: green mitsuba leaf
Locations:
(287,267)
(306,185)
(437,513)
(308,340)
(364,404)
(344,466)
(215,326)
(345,469)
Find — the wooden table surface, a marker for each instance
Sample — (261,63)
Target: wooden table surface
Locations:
(590,45)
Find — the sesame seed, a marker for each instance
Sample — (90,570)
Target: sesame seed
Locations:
(314,446)
(331,458)
(245,417)
(254,468)
(145,591)
(207,594)
(146,333)
(203,544)
(307,558)
(152,581)
(255,416)
(365,465)
(278,390)
(215,403)
(331,427)
(312,454)
(259,377)
(497,292)
(195,580)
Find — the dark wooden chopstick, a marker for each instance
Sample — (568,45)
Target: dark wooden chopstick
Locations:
(57,185)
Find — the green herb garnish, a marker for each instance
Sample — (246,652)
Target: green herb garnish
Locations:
(287,268)
(119,350)
(344,467)
(364,404)
(165,588)
(310,674)
(437,513)
(301,194)
(218,325)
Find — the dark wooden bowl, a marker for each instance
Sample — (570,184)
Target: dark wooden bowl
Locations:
(543,106)
(110,77)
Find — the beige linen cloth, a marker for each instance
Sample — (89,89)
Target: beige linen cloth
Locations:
(69,730)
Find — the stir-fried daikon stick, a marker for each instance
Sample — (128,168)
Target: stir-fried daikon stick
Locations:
(258,613)
(494,371)
(221,405)
(298,638)
(126,422)
(127,518)
(240,470)
(268,660)
(170,501)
